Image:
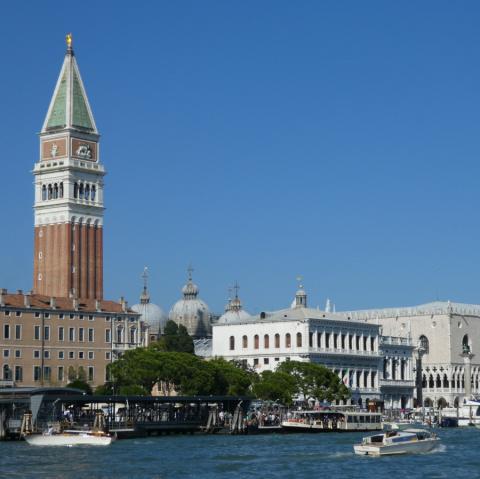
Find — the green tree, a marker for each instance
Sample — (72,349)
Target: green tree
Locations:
(275,386)
(230,378)
(79,384)
(175,339)
(314,381)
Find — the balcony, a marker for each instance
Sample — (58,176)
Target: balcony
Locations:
(395,341)
(397,383)
(347,352)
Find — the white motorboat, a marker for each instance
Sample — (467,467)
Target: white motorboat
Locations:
(397,442)
(71,437)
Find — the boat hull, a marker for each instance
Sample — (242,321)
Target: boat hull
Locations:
(68,440)
(416,447)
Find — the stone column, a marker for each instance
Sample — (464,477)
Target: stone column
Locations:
(418,375)
(467,359)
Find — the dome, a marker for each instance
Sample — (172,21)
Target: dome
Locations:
(191,311)
(152,315)
(233,310)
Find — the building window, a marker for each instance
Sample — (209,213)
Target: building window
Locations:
(71,354)
(6,312)
(71,316)
(266,341)
(44,192)
(256,342)
(90,373)
(91,355)
(232,343)
(37,373)
(46,315)
(335,341)
(319,340)
(266,360)
(288,340)
(80,317)
(75,190)
(47,373)
(92,194)
(244,342)
(108,355)
(120,334)
(91,317)
(46,333)
(18,314)
(18,353)
(61,316)
(91,336)
(46,354)
(37,314)
(343,341)
(299,340)
(277,340)
(365,339)
(424,344)
(18,374)
(6,331)
(61,333)
(310,340)
(36,353)
(6,353)
(61,355)
(7,373)
(357,343)
(81,355)
(255,362)
(372,343)
(60,373)
(108,336)
(18,331)
(71,334)
(350,342)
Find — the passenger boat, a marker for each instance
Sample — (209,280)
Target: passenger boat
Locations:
(332,420)
(72,437)
(397,442)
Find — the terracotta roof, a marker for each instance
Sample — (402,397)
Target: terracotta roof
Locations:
(38,301)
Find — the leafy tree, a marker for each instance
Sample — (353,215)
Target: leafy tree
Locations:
(175,339)
(79,384)
(314,381)
(230,378)
(275,386)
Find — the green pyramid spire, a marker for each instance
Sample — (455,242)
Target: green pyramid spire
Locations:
(69,107)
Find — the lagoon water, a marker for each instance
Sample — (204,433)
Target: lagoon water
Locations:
(270,456)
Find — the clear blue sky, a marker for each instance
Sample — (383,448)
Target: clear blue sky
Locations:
(261,140)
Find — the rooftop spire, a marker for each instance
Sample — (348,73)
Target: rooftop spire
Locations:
(145,296)
(69,107)
(301,295)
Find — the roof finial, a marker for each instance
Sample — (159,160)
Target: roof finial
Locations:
(68,40)
(236,287)
(190,271)
(145,297)
(300,279)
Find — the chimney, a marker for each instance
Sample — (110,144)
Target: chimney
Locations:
(19,291)
(53,302)
(26,300)
(3,292)
(75,304)
(98,305)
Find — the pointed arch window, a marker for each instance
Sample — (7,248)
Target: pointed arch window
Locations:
(277,340)
(50,192)
(61,190)
(81,191)
(87,192)
(288,340)
(44,192)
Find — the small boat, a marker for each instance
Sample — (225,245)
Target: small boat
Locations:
(72,437)
(397,442)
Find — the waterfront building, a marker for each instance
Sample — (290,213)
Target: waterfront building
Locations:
(191,311)
(151,315)
(349,348)
(446,336)
(64,329)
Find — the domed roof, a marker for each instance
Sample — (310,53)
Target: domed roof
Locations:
(234,310)
(191,311)
(151,314)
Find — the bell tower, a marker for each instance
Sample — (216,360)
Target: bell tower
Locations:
(68,244)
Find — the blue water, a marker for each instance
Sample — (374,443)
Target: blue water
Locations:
(270,456)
